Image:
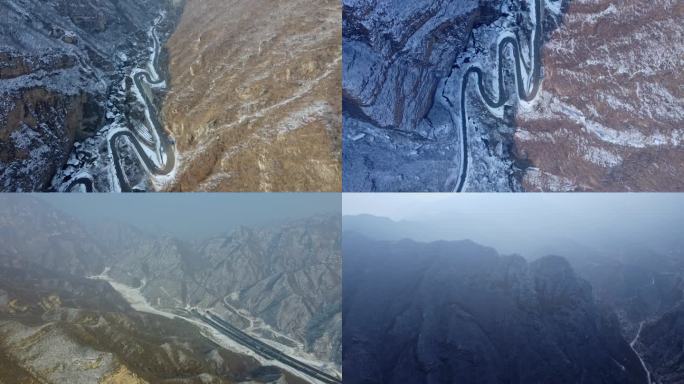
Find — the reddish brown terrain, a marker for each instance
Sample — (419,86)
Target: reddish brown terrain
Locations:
(254,101)
(611,113)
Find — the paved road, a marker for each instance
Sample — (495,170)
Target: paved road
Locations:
(166,146)
(502,94)
(262,348)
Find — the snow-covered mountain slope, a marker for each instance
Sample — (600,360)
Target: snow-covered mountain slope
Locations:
(281,283)
(611,113)
(60,328)
(404,66)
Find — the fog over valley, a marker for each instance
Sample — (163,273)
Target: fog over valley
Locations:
(526,224)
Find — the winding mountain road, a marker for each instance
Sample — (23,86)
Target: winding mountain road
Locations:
(502,95)
(161,143)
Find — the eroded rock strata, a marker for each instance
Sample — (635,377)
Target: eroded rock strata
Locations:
(403,67)
(607,115)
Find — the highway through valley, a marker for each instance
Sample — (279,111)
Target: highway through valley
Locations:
(263,349)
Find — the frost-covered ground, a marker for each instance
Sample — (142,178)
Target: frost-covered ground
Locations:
(490,166)
(58,63)
(258,328)
(132,295)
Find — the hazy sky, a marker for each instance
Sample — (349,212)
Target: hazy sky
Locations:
(518,222)
(191,215)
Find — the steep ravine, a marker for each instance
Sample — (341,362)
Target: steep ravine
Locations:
(133,151)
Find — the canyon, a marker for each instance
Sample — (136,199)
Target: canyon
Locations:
(61,64)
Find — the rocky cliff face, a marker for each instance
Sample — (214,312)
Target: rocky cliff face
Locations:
(444,311)
(661,345)
(607,118)
(646,290)
(394,58)
(610,114)
(254,95)
(58,61)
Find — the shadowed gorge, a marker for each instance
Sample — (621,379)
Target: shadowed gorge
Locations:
(497,96)
(66,83)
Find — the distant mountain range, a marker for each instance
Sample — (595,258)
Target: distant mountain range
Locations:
(436,310)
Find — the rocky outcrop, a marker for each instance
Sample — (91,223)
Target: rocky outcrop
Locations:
(254,96)
(394,57)
(58,61)
(445,311)
(40,127)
